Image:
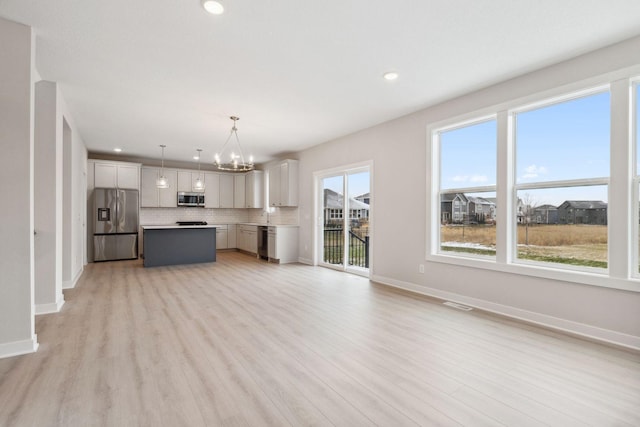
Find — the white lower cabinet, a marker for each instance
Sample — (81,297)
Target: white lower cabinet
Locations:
(222,237)
(247,238)
(232,236)
(282,244)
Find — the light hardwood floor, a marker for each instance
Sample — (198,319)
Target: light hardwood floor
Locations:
(243,342)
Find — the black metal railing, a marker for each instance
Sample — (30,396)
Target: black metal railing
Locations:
(334,248)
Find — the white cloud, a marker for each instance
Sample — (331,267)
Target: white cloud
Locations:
(479,178)
(534,171)
(467,178)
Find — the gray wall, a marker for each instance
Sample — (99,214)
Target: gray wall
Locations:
(48,196)
(401,204)
(16,190)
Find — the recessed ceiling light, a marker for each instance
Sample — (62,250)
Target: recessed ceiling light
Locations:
(213,7)
(391,75)
(117,150)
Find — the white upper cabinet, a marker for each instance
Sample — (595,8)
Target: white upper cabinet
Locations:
(153,197)
(221,190)
(128,177)
(187,181)
(283,184)
(184,181)
(168,197)
(148,189)
(105,175)
(226,191)
(194,180)
(253,194)
(116,175)
(211,190)
(274,185)
(239,191)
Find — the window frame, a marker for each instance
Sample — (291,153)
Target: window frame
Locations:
(634,107)
(505,188)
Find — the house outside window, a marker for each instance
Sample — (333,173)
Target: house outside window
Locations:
(465,181)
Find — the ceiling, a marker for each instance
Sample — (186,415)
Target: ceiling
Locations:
(136,74)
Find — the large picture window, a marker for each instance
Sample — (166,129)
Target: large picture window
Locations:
(562,175)
(467,189)
(547,187)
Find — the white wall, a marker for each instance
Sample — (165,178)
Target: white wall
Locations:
(398,150)
(17,334)
(79,201)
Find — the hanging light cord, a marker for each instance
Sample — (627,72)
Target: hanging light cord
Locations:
(162,169)
(199,150)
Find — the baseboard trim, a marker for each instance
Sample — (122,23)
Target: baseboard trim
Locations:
(70,284)
(49,308)
(17,348)
(305,261)
(568,326)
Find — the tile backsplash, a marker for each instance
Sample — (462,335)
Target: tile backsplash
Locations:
(166,216)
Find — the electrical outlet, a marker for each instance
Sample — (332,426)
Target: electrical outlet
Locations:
(421,268)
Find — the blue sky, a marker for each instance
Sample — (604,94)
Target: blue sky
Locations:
(569,140)
(358,184)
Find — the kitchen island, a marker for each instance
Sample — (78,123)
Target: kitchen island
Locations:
(175,244)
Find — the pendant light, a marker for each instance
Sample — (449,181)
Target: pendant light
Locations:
(235,162)
(199,184)
(162,182)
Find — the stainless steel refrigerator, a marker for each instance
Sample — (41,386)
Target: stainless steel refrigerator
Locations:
(115,232)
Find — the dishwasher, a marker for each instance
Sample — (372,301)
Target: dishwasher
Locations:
(263,242)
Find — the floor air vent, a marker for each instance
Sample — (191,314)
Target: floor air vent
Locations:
(458,306)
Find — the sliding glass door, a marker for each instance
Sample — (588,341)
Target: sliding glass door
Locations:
(344,238)
(333,220)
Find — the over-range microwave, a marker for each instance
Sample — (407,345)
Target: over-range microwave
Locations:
(190,199)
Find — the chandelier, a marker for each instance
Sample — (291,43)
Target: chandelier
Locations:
(231,157)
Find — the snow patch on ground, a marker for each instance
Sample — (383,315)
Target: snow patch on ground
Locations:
(469,245)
